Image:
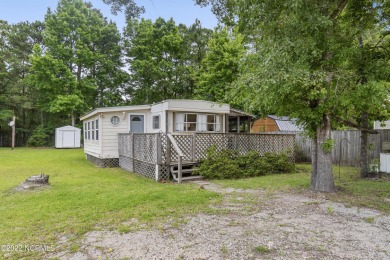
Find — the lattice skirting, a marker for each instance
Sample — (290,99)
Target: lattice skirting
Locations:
(164,172)
(103,163)
(147,170)
(126,163)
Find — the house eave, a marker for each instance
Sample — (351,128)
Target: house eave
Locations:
(114,109)
(237,112)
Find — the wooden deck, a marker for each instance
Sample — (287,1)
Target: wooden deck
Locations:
(164,156)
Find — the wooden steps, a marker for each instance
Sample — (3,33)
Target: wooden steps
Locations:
(187,170)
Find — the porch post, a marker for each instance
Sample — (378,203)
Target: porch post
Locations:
(193,152)
(158,155)
(179,168)
(132,150)
(168,160)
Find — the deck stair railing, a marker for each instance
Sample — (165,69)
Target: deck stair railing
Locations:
(180,156)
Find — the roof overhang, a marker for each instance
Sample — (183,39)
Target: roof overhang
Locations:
(113,109)
(237,112)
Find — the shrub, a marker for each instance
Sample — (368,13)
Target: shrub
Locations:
(38,138)
(219,165)
(227,164)
(252,165)
(278,163)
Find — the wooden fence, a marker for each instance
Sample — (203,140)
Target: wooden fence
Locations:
(346,150)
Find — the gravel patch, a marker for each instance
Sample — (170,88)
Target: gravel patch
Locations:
(253,224)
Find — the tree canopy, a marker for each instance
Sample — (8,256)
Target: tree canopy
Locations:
(53,71)
(303,64)
(162,57)
(81,62)
(220,67)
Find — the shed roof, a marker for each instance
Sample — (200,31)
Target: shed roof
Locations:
(67,127)
(285,123)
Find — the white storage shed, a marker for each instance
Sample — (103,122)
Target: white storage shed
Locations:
(68,137)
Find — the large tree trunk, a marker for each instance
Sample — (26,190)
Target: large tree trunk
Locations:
(364,160)
(314,148)
(322,176)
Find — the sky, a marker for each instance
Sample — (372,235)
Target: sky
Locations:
(182,11)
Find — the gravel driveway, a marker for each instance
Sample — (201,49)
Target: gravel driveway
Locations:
(253,224)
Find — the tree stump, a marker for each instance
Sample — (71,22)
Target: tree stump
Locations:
(38,179)
(34,182)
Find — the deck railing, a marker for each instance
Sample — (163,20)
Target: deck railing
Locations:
(180,156)
(151,154)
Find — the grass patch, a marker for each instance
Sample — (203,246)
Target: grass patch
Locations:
(351,188)
(330,210)
(359,192)
(82,197)
(262,249)
(224,250)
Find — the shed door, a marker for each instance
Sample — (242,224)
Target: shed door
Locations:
(68,138)
(137,123)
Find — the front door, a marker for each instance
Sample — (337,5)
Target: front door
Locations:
(137,124)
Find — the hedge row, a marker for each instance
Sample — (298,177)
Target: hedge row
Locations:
(228,164)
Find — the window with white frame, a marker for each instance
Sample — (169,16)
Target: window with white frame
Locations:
(156,122)
(97,129)
(115,120)
(89,130)
(191,122)
(93,129)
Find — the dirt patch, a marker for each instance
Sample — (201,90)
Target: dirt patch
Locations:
(253,224)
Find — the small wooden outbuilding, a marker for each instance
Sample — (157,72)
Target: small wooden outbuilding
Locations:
(68,137)
(273,123)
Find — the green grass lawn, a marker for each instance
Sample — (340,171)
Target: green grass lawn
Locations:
(82,197)
(351,188)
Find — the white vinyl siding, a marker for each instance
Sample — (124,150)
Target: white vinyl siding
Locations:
(202,116)
(109,135)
